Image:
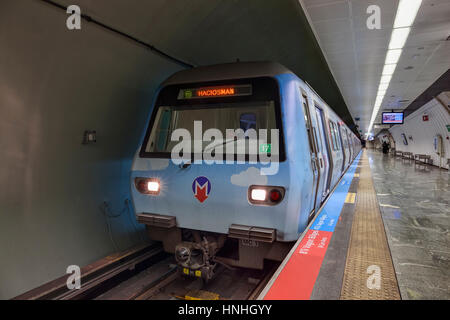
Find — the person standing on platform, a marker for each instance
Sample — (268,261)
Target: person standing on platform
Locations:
(385,147)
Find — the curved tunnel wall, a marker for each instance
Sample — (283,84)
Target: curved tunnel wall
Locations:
(56,83)
(420,134)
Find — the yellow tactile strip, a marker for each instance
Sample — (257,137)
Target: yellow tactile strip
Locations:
(351,197)
(369,273)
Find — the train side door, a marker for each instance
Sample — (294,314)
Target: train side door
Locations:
(327,161)
(321,157)
(349,146)
(343,145)
(313,151)
(353,147)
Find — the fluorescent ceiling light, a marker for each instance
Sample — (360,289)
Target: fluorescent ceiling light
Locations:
(406,13)
(392,56)
(404,19)
(389,69)
(398,38)
(383,86)
(386,79)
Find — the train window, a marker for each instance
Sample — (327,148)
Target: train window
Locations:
(305,111)
(315,137)
(344,139)
(318,138)
(247,121)
(219,116)
(308,128)
(334,135)
(337,134)
(163,133)
(338,139)
(332,139)
(319,123)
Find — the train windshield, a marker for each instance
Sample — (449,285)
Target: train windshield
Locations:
(198,119)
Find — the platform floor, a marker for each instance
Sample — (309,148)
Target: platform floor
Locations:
(391,240)
(369,273)
(415,206)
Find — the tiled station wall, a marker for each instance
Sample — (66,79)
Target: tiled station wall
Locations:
(420,133)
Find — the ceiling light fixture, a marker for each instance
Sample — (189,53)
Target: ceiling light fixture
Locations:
(385,79)
(392,56)
(406,14)
(398,38)
(383,86)
(389,69)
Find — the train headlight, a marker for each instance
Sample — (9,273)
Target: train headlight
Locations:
(258,194)
(265,195)
(153,186)
(147,185)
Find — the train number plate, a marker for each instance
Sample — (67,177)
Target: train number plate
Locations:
(250,243)
(192,273)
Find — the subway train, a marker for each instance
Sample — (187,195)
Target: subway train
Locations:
(236,160)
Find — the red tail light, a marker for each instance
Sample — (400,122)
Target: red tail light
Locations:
(275,195)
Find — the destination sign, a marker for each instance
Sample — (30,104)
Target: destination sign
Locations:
(215,92)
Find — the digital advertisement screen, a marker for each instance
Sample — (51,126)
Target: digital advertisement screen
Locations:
(392,118)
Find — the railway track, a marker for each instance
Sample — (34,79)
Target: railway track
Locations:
(148,273)
(100,275)
(238,284)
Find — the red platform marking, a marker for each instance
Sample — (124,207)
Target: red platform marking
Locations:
(296,280)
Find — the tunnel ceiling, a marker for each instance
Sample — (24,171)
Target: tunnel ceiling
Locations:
(218,31)
(356,54)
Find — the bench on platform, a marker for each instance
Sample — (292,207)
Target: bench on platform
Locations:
(424,158)
(408,155)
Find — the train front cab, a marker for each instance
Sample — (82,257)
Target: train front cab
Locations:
(199,206)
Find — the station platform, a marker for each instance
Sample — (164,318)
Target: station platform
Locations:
(382,235)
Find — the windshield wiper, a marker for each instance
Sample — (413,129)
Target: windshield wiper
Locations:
(222,143)
(185,165)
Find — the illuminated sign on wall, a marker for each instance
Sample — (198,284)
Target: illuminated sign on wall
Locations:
(215,92)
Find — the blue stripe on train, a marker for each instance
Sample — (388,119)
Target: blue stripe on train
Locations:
(328,217)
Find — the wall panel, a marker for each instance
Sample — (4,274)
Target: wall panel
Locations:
(423,132)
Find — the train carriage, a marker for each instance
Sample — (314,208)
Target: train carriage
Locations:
(257,202)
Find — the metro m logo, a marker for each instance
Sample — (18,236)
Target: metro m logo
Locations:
(201,188)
